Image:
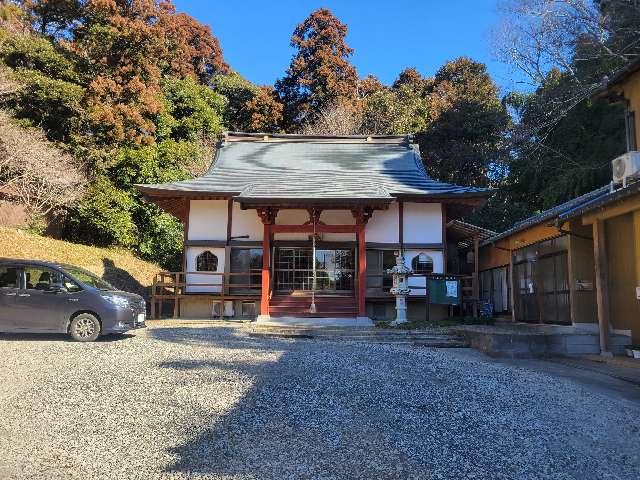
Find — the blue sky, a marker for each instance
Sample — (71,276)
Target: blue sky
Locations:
(387,36)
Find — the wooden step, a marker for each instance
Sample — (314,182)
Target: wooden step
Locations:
(326,306)
(308,302)
(321,312)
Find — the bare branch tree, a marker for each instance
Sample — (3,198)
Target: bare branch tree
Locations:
(574,43)
(536,36)
(35,173)
(337,119)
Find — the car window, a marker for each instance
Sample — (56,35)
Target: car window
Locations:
(89,278)
(70,285)
(8,277)
(41,278)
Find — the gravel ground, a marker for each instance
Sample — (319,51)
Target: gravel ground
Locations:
(214,403)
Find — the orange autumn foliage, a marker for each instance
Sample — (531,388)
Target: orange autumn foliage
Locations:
(125,48)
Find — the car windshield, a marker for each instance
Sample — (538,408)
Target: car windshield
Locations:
(89,278)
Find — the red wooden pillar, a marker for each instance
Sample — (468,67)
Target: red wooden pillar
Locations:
(268,217)
(362,271)
(266,262)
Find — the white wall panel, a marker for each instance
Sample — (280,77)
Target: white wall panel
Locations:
(208,220)
(330,217)
(291,217)
(337,217)
(246,222)
(192,253)
(422,222)
(383,226)
(436,256)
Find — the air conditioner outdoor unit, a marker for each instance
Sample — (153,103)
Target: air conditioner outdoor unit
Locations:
(626,167)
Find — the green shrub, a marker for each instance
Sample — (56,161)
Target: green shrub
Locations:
(55,105)
(32,52)
(192,111)
(161,237)
(104,216)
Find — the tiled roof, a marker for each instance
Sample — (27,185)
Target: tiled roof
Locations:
(601,201)
(553,213)
(298,167)
(623,73)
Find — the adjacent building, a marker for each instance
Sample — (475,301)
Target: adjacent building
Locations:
(578,264)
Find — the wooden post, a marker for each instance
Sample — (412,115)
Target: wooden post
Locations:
(176,296)
(153,296)
(229,219)
(426,299)
(512,287)
(635,329)
(444,239)
(476,279)
(401,226)
(362,271)
(602,284)
(185,225)
(185,266)
(266,263)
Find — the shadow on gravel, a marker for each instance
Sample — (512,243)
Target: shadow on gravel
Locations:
(56,337)
(305,416)
(361,412)
(228,337)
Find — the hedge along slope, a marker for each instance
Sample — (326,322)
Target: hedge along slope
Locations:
(118,266)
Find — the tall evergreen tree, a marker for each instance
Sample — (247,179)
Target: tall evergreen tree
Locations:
(320,74)
(464,141)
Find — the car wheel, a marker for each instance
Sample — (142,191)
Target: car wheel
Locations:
(84,328)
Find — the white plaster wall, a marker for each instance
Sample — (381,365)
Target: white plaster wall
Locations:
(291,217)
(192,253)
(246,222)
(330,217)
(422,223)
(436,256)
(383,226)
(208,220)
(338,217)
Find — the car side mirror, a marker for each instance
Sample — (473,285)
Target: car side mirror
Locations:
(56,288)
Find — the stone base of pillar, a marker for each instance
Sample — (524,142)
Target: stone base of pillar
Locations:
(263,318)
(606,354)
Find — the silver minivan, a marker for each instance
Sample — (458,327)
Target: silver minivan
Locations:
(46,297)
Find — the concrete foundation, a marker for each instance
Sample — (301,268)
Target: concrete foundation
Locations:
(536,341)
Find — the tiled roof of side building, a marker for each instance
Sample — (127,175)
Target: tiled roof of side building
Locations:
(623,73)
(324,167)
(601,201)
(553,213)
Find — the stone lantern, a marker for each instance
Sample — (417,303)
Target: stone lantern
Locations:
(400,289)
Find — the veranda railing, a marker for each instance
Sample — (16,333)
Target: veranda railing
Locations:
(174,286)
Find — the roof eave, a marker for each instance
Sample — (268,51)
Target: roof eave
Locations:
(288,137)
(600,202)
(253,202)
(151,191)
(618,78)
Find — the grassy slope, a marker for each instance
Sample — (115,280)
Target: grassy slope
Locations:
(118,266)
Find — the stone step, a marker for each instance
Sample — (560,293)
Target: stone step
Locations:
(365,335)
(333,330)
